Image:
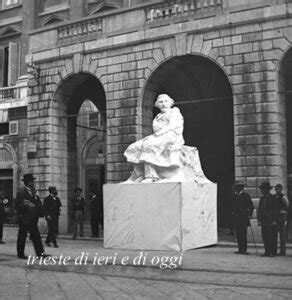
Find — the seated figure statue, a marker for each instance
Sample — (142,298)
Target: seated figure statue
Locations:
(162,155)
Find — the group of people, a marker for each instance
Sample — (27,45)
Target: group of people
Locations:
(29,209)
(78,213)
(272,216)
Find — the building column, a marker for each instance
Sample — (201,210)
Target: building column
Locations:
(30,10)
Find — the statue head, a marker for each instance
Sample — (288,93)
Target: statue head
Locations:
(163,100)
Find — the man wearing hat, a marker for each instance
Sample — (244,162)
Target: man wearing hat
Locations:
(78,212)
(29,209)
(95,213)
(242,212)
(268,212)
(282,218)
(52,205)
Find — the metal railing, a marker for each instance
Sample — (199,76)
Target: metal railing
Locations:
(179,8)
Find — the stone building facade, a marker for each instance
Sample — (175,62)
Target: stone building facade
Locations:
(226,63)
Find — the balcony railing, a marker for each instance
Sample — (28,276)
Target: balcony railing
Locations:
(14,92)
(7,93)
(82,29)
(179,8)
(120,20)
(87,29)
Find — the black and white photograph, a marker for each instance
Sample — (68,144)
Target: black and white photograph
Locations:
(145,149)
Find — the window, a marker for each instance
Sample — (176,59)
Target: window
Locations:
(8,64)
(10,3)
(17,113)
(95,120)
(13,127)
(5,66)
(46,5)
(4,128)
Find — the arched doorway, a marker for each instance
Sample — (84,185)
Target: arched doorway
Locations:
(285,101)
(68,119)
(203,94)
(8,177)
(92,177)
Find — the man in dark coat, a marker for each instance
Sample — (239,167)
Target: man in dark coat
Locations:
(289,218)
(29,209)
(282,218)
(3,202)
(268,213)
(94,214)
(78,212)
(242,212)
(52,205)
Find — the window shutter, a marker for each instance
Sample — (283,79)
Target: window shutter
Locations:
(1,66)
(12,64)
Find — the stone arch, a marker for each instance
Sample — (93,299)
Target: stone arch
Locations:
(82,63)
(11,154)
(8,160)
(203,92)
(284,83)
(195,45)
(72,91)
(285,48)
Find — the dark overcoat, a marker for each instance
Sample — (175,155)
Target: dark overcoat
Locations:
(52,207)
(242,208)
(268,210)
(26,214)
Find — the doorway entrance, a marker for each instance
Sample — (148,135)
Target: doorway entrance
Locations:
(286,93)
(78,103)
(6,185)
(203,93)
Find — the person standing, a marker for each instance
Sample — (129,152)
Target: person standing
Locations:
(95,214)
(52,205)
(289,219)
(242,212)
(268,212)
(78,212)
(282,219)
(3,202)
(29,209)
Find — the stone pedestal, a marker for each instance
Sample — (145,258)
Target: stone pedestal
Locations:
(160,216)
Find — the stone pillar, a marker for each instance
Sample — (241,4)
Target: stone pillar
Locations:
(30,9)
(259,153)
(123,126)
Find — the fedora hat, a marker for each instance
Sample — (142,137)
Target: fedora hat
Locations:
(52,188)
(239,183)
(28,177)
(78,189)
(265,186)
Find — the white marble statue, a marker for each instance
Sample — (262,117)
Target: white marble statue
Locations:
(162,155)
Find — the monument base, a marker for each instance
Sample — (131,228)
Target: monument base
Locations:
(172,216)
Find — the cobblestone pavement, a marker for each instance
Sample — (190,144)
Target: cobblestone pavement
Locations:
(209,273)
(26,283)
